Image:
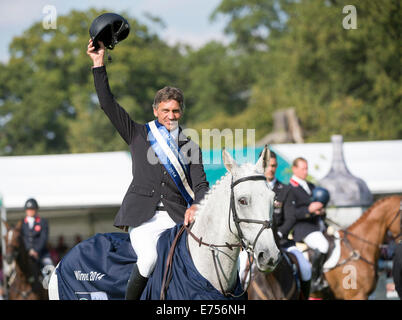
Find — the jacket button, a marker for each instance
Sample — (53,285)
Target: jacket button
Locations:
(161,196)
(163,184)
(164,172)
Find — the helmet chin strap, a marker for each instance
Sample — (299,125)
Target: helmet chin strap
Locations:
(109,57)
(114,42)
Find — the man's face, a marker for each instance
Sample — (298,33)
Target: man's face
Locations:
(271,169)
(30,212)
(300,170)
(168,114)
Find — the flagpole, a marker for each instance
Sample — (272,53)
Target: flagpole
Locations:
(3,244)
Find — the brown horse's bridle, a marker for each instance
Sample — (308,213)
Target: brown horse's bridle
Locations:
(11,260)
(400,222)
(355,255)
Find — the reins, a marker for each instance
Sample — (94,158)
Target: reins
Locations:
(200,242)
(355,254)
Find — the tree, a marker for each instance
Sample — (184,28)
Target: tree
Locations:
(47,98)
(340,81)
(217,81)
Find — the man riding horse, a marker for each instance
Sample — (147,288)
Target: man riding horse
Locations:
(284,219)
(309,225)
(167,182)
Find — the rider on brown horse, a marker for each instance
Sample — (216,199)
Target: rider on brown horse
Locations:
(34,232)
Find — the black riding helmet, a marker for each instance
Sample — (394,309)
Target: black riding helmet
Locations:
(320,194)
(31,204)
(110,28)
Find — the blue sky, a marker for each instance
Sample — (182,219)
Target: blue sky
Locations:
(186,20)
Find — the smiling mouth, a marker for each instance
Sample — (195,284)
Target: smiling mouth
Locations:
(172,123)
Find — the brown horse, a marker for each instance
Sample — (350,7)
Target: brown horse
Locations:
(23,273)
(355,275)
(279,284)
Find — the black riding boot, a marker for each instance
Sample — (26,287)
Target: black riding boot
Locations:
(135,285)
(317,262)
(305,289)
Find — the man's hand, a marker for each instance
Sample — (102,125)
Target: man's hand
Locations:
(33,253)
(96,55)
(189,216)
(315,207)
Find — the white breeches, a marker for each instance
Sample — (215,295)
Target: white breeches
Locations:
(316,240)
(46,261)
(304,264)
(144,239)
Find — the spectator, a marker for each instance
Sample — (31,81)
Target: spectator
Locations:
(61,247)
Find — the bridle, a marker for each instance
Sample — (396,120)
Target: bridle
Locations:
(243,243)
(10,257)
(266,224)
(400,222)
(355,255)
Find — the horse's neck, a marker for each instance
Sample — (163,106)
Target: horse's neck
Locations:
(371,227)
(212,215)
(22,261)
(212,224)
(372,224)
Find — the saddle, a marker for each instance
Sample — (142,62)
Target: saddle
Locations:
(327,265)
(305,249)
(292,260)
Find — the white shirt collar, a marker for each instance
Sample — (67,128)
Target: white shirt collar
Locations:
(175,134)
(272,183)
(302,183)
(31,221)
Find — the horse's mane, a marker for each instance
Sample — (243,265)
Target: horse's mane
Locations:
(366,213)
(211,190)
(219,182)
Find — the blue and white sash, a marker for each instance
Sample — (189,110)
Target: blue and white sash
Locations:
(170,156)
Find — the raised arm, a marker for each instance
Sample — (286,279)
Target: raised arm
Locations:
(117,115)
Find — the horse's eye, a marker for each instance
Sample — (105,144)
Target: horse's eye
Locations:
(243,201)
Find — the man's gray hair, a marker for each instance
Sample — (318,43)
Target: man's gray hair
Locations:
(169,93)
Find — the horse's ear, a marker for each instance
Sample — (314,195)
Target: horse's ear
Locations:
(263,161)
(229,163)
(18,225)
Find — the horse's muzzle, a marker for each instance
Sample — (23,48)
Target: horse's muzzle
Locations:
(9,258)
(267,263)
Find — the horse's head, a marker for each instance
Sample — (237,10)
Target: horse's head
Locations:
(12,242)
(251,208)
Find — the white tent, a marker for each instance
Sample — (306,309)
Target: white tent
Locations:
(378,163)
(101,179)
(81,193)
(68,180)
